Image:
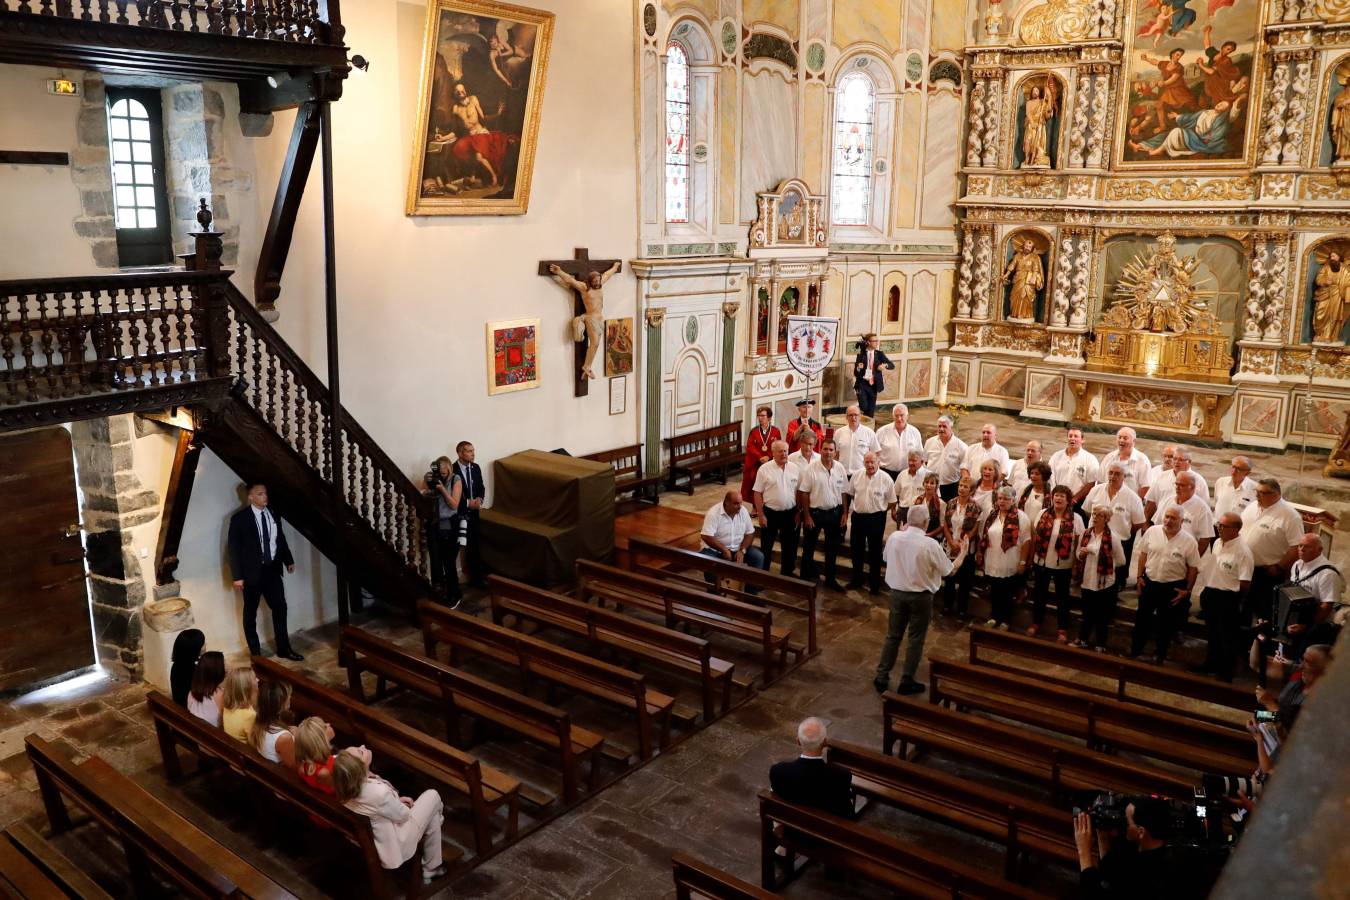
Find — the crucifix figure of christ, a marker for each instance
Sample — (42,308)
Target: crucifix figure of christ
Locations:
(586,278)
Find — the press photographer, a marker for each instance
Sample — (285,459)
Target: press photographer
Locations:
(1143,848)
(447,529)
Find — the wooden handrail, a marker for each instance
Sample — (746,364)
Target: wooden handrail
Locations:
(263,20)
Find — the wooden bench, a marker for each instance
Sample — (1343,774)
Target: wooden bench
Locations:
(416,753)
(606,629)
(21,844)
(985,643)
(907,868)
(1103,722)
(628,473)
(698,879)
(1057,764)
(536,657)
(154,837)
(667,562)
(1018,824)
(459,693)
(715,449)
(683,605)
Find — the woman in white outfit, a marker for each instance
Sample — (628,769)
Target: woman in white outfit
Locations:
(399,824)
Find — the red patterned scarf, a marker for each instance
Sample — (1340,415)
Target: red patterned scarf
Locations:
(1026,495)
(969,523)
(1106,562)
(1011,532)
(1063,544)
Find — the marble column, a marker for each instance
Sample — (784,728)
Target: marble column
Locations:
(1099,122)
(1273,122)
(656,317)
(983,279)
(993,116)
(1258,351)
(1299,107)
(975,124)
(729,311)
(1078,120)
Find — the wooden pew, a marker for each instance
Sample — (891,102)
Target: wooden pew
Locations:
(604,628)
(1059,765)
(1103,722)
(536,657)
(715,449)
(50,862)
(987,642)
(909,869)
(461,693)
(154,837)
(419,754)
(22,879)
(679,604)
(628,473)
(1020,825)
(698,879)
(667,562)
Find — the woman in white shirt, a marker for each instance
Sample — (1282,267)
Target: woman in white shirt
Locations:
(269,735)
(932,499)
(204,696)
(1056,534)
(1034,495)
(988,484)
(1100,554)
(960,523)
(1002,552)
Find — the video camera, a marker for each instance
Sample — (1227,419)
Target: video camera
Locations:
(1194,825)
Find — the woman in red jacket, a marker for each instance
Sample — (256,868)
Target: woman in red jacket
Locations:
(757,452)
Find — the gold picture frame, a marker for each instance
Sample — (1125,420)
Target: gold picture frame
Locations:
(512,356)
(477,128)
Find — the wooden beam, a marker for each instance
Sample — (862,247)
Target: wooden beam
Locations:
(33,158)
(181,478)
(286,206)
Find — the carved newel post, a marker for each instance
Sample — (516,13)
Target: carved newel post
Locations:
(208,246)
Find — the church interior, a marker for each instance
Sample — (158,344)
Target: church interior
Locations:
(794,335)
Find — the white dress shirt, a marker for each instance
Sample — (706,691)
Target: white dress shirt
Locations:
(1138,473)
(1165,485)
(1035,504)
(1270,532)
(1074,471)
(977,453)
(1168,558)
(1127,510)
(1050,559)
(801,462)
(945,459)
(1326,585)
(1195,516)
(870,494)
(1154,473)
(826,486)
(914,561)
(908,486)
(851,446)
(1000,563)
(259,513)
(727,531)
(778,484)
(1092,581)
(1226,565)
(895,445)
(1233,499)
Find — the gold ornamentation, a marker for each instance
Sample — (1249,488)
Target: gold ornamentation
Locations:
(1029,187)
(1334,10)
(979,184)
(730,308)
(656,316)
(1124,404)
(1081,186)
(1338,463)
(1182,189)
(1256,361)
(1323,187)
(1056,22)
(1028,338)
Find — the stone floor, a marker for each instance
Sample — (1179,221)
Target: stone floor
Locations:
(698,797)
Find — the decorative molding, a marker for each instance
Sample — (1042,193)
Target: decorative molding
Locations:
(655,316)
(1182,189)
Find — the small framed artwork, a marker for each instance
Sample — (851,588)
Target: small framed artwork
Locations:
(513,355)
(618,347)
(618,395)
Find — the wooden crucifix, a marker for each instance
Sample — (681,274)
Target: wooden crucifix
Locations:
(585,278)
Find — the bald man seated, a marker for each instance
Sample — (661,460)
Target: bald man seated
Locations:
(809,780)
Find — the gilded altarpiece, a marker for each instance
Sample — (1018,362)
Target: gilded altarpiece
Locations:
(1206,141)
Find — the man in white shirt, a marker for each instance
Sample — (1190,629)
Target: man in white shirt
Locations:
(909,481)
(820,495)
(945,452)
(987,448)
(1271,528)
(1164,466)
(853,441)
(1163,489)
(1195,515)
(915,567)
(870,496)
(1017,473)
(1314,571)
(805,454)
(1135,463)
(1127,513)
(1226,573)
(776,507)
(896,439)
(1236,493)
(729,533)
(1168,563)
(1074,467)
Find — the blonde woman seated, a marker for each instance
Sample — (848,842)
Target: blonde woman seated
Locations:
(237,700)
(314,754)
(398,824)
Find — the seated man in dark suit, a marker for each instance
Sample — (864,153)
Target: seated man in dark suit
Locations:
(809,780)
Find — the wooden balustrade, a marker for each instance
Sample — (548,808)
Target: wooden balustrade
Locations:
(295,21)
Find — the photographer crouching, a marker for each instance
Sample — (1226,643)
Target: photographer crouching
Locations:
(1126,849)
(447,530)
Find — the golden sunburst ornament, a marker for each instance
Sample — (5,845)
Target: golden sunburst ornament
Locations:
(1159,292)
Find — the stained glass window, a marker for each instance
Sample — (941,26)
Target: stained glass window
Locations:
(133,170)
(677,133)
(851,184)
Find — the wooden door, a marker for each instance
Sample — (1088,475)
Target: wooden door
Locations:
(44,606)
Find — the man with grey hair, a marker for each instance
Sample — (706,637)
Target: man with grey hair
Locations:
(1195,515)
(945,452)
(1017,474)
(915,567)
(1134,464)
(1236,493)
(854,441)
(1168,563)
(909,482)
(809,780)
(1164,488)
(776,506)
(1226,573)
(896,439)
(870,495)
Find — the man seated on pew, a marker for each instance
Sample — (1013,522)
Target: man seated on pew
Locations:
(1141,866)
(729,533)
(809,780)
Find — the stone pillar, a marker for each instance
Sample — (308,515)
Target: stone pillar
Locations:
(91,170)
(655,317)
(196,164)
(115,502)
(729,311)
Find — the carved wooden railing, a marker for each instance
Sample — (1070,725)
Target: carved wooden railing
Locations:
(297,21)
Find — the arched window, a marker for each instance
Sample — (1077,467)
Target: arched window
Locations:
(851,181)
(135,143)
(677,133)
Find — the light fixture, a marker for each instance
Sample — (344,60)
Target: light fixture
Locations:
(360,62)
(277,79)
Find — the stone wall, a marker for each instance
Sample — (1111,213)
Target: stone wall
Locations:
(196,164)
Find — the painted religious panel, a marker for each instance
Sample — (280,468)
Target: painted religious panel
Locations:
(1192,73)
(618,346)
(513,355)
(483,67)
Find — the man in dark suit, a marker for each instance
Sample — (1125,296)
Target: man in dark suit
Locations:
(867,378)
(809,780)
(470,502)
(258,549)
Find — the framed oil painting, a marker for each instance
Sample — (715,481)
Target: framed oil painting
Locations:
(483,67)
(513,355)
(1193,71)
(618,346)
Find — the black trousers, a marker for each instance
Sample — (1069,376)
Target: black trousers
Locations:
(1041,593)
(1260,596)
(956,586)
(473,561)
(865,542)
(1158,616)
(782,526)
(1123,572)
(267,586)
(826,520)
(444,550)
(948,491)
(1099,608)
(867,398)
(1002,593)
(1223,632)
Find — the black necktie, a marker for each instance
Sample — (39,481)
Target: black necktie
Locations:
(468,483)
(266,538)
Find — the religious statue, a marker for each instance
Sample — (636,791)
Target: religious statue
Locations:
(1340,128)
(590,325)
(1036,116)
(1027,276)
(1331,305)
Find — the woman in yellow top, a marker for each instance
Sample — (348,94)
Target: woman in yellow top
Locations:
(238,699)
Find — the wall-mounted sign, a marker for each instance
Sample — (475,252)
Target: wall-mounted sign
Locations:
(63,86)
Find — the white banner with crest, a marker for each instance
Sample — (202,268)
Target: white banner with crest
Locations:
(811,343)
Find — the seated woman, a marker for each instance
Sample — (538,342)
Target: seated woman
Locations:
(269,735)
(187,647)
(1100,553)
(237,699)
(314,754)
(398,824)
(204,698)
